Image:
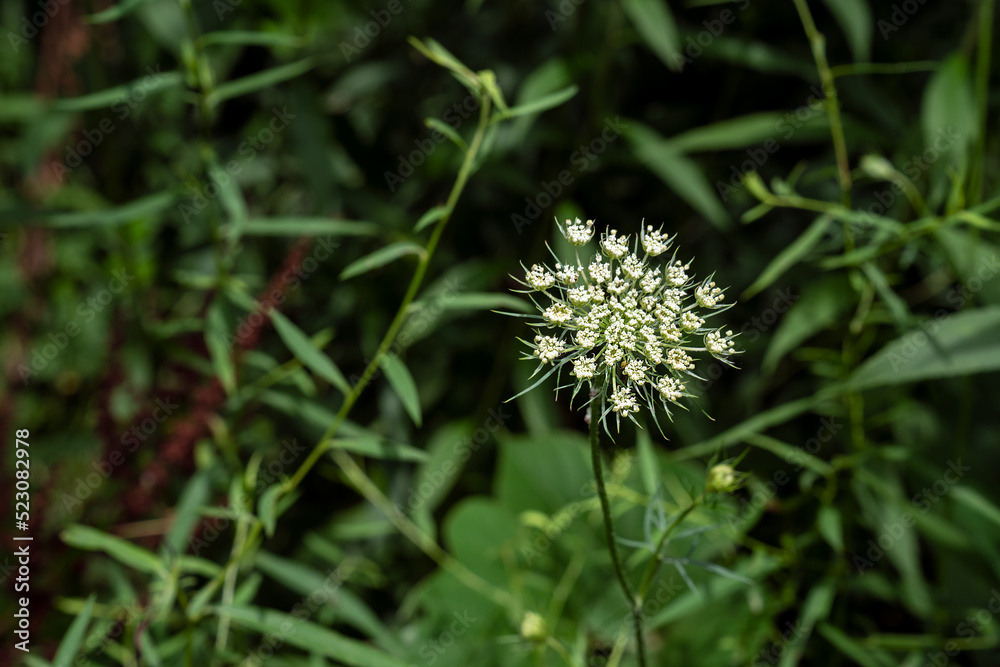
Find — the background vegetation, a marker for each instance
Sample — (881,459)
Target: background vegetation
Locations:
(170,170)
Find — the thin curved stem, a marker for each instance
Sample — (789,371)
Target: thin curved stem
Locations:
(609,531)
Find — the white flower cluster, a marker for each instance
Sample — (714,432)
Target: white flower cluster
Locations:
(625,325)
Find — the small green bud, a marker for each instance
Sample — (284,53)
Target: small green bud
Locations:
(722,478)
(534,628)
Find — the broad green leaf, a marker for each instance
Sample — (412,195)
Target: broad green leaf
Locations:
(153,82)
(73,639)
(649,466)
(948,113)
(402,383)
(186,515)
(261,80)
(140,209)
(542,103)
(966,343)
(430,217)
(217,340)
(381,257)
(823,303)
(855,19)
(680,173)
(790,256)
(304,350)
(91,539)
(309,636)
(655,22)
(475,531)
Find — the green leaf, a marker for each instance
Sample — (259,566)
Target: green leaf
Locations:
(541,104)
(481,301)
(304,350)
(730,134)
(73,639)
(250,38)
(655,22)
(680,173)
(140,209)
(855,19)
(187,514)
(381,257)
(91,539)
(831,527)
(897,306)
(103,99)
(379,448)
(976,502)
(790,256)
(402,383)
(309,636)
(115,12)
(966,343)
(216,333)
(267,508)
(822,304)
(261,80)
(430,217)
(443,57)
(306,227)
(447,130)
(305,580)
(866,657)
(948,113)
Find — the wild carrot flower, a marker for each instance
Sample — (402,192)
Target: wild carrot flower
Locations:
(623,323)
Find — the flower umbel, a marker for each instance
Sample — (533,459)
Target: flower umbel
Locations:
(627,324)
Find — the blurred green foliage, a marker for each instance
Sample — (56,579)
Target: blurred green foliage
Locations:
(171,170)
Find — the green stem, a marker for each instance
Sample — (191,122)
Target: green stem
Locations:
(983,54)
(453,567)
(818,44)
(324,443)
(654,563)
(411,292)
(609,531)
